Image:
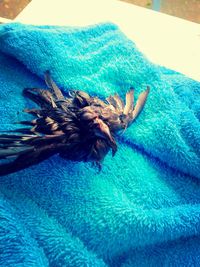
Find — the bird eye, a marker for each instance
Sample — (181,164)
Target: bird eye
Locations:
(122,117)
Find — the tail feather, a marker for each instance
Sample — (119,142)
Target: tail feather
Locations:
(140,103)
(119,102)
(41,97)
(53,87)
(22,130)
(7,140)
(30,123)
(25,160)
(14,145)
(129,102)
(14,151)
(35,112)
(26,150)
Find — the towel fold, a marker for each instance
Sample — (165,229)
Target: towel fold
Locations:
(143,208)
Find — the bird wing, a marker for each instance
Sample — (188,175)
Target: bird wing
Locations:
(119,116)
(44,138)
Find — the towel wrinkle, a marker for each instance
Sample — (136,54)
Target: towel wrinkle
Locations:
(49,234)
(17,243)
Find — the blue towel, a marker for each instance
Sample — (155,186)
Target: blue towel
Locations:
(143,208)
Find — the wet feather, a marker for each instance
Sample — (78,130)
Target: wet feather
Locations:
(78,127)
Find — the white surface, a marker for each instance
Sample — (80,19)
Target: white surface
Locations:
(4,20)
(166,40)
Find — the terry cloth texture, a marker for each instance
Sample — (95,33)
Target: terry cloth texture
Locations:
(143,208)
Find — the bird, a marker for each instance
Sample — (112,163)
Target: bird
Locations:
(77,127)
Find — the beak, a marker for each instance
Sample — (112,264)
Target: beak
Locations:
(104,132)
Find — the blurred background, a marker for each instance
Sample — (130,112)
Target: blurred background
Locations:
(11,8)
(186,9)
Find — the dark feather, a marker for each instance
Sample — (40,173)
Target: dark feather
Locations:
(78,127)
(40,96)
(57,94)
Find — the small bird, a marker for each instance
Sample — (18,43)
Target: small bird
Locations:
(78,127)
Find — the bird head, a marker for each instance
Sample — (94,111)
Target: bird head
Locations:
(96,127)
(102,130)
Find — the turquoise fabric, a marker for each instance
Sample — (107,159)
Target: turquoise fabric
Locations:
(143,208)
